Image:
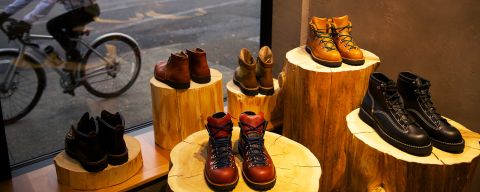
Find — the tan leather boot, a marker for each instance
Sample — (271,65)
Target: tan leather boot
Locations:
(320,44)
(350,52)
(264,71)
(244,76)
(175,72)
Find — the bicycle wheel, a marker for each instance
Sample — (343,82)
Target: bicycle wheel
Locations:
(113,67)
(26,88)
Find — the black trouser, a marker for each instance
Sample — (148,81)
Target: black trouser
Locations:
(61,28)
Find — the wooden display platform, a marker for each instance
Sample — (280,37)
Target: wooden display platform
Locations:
(315,100)
(177,113)
(155,165)
(373,164)
(296,167)
(72,174)
(239,102)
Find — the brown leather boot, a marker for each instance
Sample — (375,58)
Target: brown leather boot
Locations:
(264,71)
(199,70)
(175,72)
(221,173)
(350,52)
(258,170)
(245,76)
(320,44)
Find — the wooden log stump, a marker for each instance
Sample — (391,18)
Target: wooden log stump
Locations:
(316,100)
(179,113)
(296,167)
(239,102)
(375,165)
(71,174)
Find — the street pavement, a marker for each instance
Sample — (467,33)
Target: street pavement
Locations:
(221,27)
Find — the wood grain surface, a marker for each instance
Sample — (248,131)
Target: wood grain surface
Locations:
(297,168)
(375,165)
(239,102)
(315,101)
(179,113)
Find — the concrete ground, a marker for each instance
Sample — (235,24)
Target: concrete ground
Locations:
(221,27)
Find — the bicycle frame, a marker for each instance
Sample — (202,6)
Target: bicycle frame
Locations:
(23,48)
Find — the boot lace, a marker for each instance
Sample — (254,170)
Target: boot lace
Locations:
(325,37)
(346,36)
(254,145)
(395,103)
(221,147)
(423,92)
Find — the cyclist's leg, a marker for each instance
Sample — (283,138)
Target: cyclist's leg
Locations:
(61,28)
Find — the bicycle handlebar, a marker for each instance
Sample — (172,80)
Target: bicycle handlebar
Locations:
(9,23)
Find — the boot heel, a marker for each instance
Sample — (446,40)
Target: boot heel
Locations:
(201,80)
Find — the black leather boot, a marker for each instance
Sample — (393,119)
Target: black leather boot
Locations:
(382,108)
(112,128)
(83,144)
(416,95)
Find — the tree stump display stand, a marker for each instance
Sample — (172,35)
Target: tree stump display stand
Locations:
(239,102)
(179,113)
(316,100)
(72,174)
(375,165)
(296,167)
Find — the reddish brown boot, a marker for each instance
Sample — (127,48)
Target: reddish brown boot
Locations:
(175,72)
(258,169)
(199,70)
(221,173)
(350,52)
(320,44)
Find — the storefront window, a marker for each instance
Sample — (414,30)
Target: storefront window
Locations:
(161,27)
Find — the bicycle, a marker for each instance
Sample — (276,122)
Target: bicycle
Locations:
(23,79)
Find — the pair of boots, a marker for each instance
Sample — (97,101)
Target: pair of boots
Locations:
(255,76)
(95,143)
(405,116)
(330,42)
(183,67)
(220,170)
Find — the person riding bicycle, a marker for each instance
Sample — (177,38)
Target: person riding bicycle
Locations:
(79,13)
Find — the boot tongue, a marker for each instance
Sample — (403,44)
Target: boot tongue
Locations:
(320,24)
(219,123)
(341,21)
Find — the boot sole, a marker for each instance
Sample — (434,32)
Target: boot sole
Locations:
(414,150)
(119,159)
(449,147)
(323,62)
(201,80)
(353,62)
(266,90)
(220,187)
(174,85)
(255,185)
(90,166)
(246,91)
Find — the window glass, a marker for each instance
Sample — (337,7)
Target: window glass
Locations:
(161,27)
